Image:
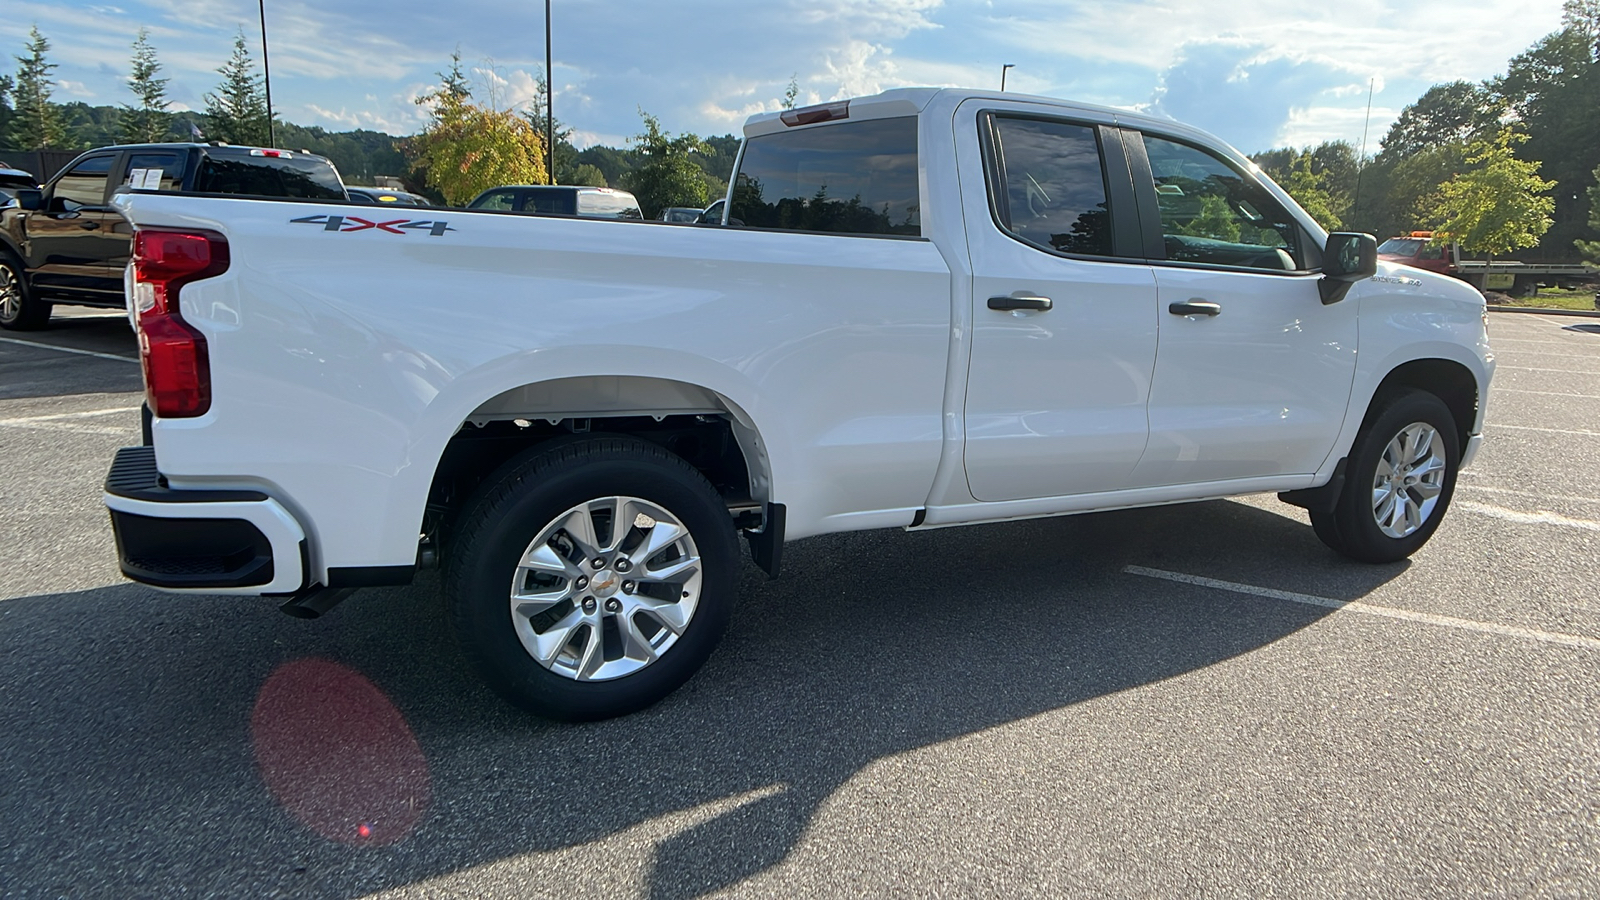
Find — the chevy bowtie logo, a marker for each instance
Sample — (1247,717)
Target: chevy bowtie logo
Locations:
(347,224)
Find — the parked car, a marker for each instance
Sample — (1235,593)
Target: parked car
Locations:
(12,179)
(63,243)
(945,307)
(685,214)
(559,200)
(384,196)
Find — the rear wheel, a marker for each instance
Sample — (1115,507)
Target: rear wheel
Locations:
(594,578)
(19,309)
(1399,480)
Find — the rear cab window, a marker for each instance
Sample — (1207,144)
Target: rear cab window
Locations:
(850,177)
(1048,185)
(298,175)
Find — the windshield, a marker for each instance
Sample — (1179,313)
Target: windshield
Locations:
(1400,247)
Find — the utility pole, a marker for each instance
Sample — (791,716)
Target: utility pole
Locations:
(1003,74)
(549,101)
(266,72)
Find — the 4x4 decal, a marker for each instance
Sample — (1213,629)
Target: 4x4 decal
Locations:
(346,224)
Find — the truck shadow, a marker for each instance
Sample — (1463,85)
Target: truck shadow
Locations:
(127,766)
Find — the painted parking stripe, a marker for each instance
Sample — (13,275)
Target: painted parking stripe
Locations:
(1547,430)
(1501,390)
(1532,369)
(131,359)
(1368,609)
(29,420)
(1530,518)
(1499,490)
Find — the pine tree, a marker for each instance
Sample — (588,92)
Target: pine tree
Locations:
(237,112)
(37,123)
(148,121)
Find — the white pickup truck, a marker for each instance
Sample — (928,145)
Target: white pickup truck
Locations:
(937,307)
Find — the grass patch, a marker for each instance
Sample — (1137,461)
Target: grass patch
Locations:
(1554,298)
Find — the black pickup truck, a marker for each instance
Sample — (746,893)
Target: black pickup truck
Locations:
(63,243)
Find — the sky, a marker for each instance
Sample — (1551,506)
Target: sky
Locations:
(1259,75)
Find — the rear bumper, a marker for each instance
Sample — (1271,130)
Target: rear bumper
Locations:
(209,541)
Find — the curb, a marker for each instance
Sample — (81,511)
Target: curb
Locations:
(1532,310)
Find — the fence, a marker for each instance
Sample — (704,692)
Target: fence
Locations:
(43,164)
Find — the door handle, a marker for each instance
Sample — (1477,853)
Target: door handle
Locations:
(1195,307)
(88,226)
(1021,301)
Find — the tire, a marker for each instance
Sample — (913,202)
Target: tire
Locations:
(19,309)
(1399,480)
(571,618)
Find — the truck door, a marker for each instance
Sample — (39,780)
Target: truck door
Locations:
(1254,372)
(71,240)
(1063,309)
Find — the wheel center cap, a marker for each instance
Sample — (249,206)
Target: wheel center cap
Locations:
(604,583)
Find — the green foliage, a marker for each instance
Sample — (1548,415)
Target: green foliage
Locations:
(1495,207)
(1213,220)
(1591,249)
(1444,114)
(467,148)
(668,175)
(36,124)
(586,175)
(148,121)
(791,93)
(1305,186)
(237,112)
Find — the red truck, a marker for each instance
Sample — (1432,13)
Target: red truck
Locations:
(1519,279)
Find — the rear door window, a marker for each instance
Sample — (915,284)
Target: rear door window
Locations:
(155,171)
(550,203)
(848,178)
(85,185)
(1052,188)
(301,176)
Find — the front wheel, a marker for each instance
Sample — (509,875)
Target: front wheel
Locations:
(19,309)
(1398,483)
(593,578)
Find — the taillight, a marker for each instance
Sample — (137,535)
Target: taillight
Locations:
(177,369)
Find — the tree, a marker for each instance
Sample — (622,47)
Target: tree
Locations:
(237,112)
(669,175)
(36,123)
(792,93)
(566,155)
(1305,186)
(467,149)
(1495,207)
(6,112)
(1458,111)
(148,121)
(1591,249)
(584,174)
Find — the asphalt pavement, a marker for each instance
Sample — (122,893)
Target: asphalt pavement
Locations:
(1195,700)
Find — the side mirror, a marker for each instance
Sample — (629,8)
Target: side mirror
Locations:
(30,198)
(1348,258)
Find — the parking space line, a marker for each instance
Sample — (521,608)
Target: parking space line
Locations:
(132,359)
(1496,490)
(1526,518)
(28,420)
(1532,369)
(1387,612)
(1501,390)
(1546,430)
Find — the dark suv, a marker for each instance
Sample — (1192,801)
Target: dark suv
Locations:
(63,243)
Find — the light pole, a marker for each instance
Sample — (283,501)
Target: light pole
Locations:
(549,102)
(266,73)
(1003,74)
